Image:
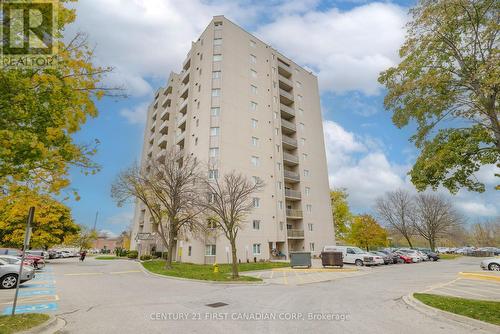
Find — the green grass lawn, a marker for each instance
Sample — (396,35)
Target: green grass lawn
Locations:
(205,271)
(484,310)
(109,257)
(449,256)
(21,322)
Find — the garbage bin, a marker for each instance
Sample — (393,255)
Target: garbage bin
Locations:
(330,259)
(300,259)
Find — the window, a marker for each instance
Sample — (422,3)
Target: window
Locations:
(255,161)
(256,202)
(256,224)
(213,174)
(214,152)
(252,43)
(274,84)
(253,89)
(299,98)
(301,126)
(210,250)
(199,88)
(277,148)
(276,131)
(198,104)
(253,73)
(214,131)
(308,191)
(279,185)
(189,250)
(302,141)
(253,105)
(217,41)
(211,223)
(255,141)
(254,123)
(310,227)
(279,166)
(311,246)
(309,208)
(215,74)
(301,111)
(256,249)
(196,141)
(215,111)
(197,122)
(304,156)
(218,25)
(275,99)
(216,92)
(281,226)
(211,197)
(306,172)
(217,57)
(299,84)
(201,56)
(253,59)
(280,205)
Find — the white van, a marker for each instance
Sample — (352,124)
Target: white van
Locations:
(353,255)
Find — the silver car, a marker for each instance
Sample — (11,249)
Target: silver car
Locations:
(491,264)
(10,271)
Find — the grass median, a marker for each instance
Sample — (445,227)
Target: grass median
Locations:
(449,256)
(484,310)
(21,322)
(206,272)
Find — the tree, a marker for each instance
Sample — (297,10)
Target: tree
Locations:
(484,234)
(366,232)
(341,213)
(41,110)
(52,222)
(448,83)
(84,239)
(396,209)
(434,217)
(229,201)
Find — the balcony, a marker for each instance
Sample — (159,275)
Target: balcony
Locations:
(163,141)
(160,156)
(152,138)
(294,214)
(185,91)
(180,136)
(164,128)
(166,103)
(152,127)
(293,194)
(287,112)
(290,159)
(181,120)
(185,77)
(286,97)
(187,62)
(285,83)
(284,69)
(183,106)
(165,115)
(290,176)
(288,142)
(295,234)
(288,127)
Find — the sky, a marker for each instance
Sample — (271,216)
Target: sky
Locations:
(346,43)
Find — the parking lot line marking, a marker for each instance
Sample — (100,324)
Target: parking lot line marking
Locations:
(440,285)
(466,292)
(480,276)
(83,274)
(125,272)
(481,287)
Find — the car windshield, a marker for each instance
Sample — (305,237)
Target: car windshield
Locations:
(358,250)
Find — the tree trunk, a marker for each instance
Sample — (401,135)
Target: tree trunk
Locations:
(432,244)
(234,258)
(171,240)
(408,240)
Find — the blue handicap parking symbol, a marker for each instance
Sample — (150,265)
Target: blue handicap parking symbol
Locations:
(30,308)
(27,293)
(45,286)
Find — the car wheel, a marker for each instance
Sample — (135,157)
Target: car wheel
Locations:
(358,263)
(9,281)
(494,266)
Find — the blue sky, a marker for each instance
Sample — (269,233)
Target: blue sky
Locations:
(346,43)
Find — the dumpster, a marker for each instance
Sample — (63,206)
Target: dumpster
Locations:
(300,259)
(330,259)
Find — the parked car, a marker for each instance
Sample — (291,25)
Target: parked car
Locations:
(38,252)
(431,255)
(403,257)
(387,259)
(53,254)
(411,253)
(443,250)
(16,260)
(391,254)
(38,261)
(9,274)
(422,255)
(491,264)
(351,254)
(494,250)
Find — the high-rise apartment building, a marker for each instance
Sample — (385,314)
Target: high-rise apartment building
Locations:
(238,104)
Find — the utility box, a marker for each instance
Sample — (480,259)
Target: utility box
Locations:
(332,259)
(300,259)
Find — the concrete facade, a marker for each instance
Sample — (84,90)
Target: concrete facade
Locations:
(238,104)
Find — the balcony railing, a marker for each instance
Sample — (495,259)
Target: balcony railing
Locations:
(180,136)
(285,83)
(181,120)
(163,141)
(289,125)
(185,77)
(295,234)
(284,69)
(286,96)
(289,141)
(294,213)
(292,193)
(286,111)
(183,105)
(290,158)
(164,129)
(165,115)
(291,175)
(153,125)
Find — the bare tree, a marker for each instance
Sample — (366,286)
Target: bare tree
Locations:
(434,217)
(396,209)
(177,185)
(229,201)
(486,233)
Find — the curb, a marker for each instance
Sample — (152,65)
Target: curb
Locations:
(257,283)
(448,316)
(479,276)
(50,326)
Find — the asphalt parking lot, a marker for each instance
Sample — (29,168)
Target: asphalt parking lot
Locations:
(104,296)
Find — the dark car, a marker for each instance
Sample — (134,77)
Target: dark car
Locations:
(387,259)
(431,255)
(395,257)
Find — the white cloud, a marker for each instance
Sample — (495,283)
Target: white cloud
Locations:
(348,49)
(123,218)
(477,209)
(137,115)
(107,233)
